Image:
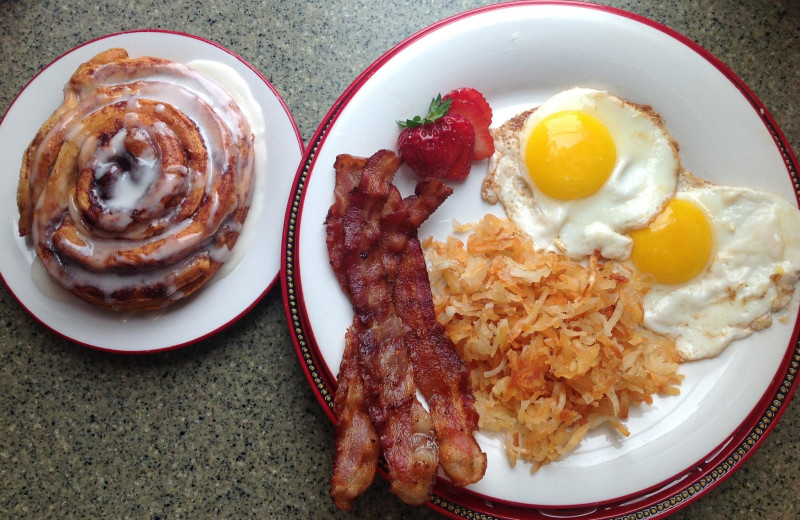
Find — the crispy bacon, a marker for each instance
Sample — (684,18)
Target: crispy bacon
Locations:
(348,175)
(357,448)
(393,346)
(439,371)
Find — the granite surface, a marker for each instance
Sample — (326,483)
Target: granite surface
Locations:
(228,427)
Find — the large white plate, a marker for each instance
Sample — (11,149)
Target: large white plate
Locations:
(519,54)
(226,298)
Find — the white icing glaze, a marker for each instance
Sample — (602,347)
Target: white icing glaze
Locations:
(46,285)
(240,91)
(144,168)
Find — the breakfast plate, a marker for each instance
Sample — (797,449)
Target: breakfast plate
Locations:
(227,296)
(518,54)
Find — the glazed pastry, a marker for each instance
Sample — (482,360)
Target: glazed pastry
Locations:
(134,191)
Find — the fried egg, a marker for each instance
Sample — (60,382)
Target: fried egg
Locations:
(582,170)
(724,259)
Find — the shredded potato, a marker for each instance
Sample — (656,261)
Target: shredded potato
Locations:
(555,347)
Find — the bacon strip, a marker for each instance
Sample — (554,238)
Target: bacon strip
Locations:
(348,174)
(439,371)
(357,448)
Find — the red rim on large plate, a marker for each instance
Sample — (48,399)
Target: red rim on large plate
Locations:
(656,500)
(181,325)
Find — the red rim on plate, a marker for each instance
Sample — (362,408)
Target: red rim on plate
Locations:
(660,500)
(241,308)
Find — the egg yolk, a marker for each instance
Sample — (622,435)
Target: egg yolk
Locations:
(677,244)
(570,155)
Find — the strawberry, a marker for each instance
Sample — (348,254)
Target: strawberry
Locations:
(484,142)
(439,145)
(473,96)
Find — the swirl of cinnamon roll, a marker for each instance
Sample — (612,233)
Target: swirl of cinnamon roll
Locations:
(135,190)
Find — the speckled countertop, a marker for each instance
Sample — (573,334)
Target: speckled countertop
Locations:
(228,427)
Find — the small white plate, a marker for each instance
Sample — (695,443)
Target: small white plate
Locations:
(518,54)
(225,298)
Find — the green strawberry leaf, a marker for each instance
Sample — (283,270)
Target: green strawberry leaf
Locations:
(437,109)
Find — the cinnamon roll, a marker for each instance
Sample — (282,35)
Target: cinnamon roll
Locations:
(135,190)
